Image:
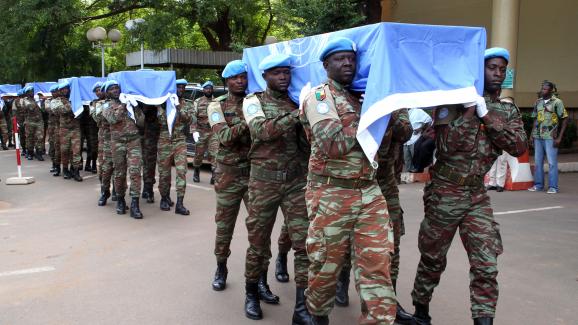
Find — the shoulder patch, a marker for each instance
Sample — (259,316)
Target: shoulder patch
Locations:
(316,111)
(252,108)
(320,94)
(215,113)
(222,98)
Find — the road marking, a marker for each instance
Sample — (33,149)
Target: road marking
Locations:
(200,187)
(529,210)
(28,271)
(89,177)
(4,224)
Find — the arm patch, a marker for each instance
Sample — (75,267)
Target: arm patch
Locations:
(215,113)
(252,108)
(318,110)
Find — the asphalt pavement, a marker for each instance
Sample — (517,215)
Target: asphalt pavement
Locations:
(64,260)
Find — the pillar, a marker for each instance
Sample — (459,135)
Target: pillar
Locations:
(505,16)
(386,10)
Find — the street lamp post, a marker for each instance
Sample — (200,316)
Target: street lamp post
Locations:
(98,35)
(133,25)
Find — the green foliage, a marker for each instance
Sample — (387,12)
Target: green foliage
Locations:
(317,16)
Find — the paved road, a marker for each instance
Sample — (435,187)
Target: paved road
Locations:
(63,260)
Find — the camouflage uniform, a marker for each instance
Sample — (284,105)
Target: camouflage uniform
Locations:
(284,240)
(20,113)
(126,146)
(173,148)
(70,149)
(277,180)
(105,163)
(4,129)
(149,143)
(91,136)
(347,211)
(34,125)
(232,170)
(53,132)
(206,138)
(456,198)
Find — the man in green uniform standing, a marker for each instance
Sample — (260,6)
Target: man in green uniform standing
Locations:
(104,149)
(34,125)
(150,149)
(347,210)
(277,181)
(202,132)
(469,138)
(173,150)
(20,113)
(54,130)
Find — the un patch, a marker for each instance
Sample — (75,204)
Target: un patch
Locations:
(252,109)
(215,117)
(322,108)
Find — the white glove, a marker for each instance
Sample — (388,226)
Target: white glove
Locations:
(481,109)
(196,136)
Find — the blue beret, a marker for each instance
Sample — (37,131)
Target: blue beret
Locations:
(234,68)
(339,44)
(275,60)
(53,88)
(64,84)
(108,84)
(98,84)
(207,84)
(497,52)
(27,89)
(182,82)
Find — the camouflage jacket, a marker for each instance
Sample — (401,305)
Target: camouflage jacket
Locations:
(18,110)
(273,120)
(184,116)
(468,147)
(227,122)
(330,117)
(200,109)
(121,124)
(399,131)
(96,113)
(62,107)
(33,112)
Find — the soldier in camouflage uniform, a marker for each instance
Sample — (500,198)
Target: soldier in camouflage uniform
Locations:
(91,135)
(69,134)
(54,132)
(284,246)
(173,149)
(34,125)
(277,181)
(346,208)
(104,149)
(232,169)
(468,141)
(126,147)
(202,131)
(20,113)
(4,130)
(149,142)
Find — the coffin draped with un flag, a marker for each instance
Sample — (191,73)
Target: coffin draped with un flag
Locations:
(398,66)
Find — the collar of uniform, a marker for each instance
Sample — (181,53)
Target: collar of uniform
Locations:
(488,98)
(336,84)
(234,98)
(276,94)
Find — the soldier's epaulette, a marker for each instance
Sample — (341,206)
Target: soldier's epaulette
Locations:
(221,98)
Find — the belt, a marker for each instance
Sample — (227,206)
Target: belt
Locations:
(353,183)
(238,171)
(448,173)
(275,175)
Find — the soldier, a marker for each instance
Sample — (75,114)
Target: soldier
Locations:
(149,142)
(232,169)
(69,134)
(34,124)
(4,128)
(202,131)
(173,149)
(277,181)
(54,131)
(126,147)
(104,149)
(468,140)
(91,136)
(347,210)
(20,113)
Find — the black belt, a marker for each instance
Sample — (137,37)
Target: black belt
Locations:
(233,170)
(275,175)
(353,183)
(449,174)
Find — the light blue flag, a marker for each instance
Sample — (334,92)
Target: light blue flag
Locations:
(8,90)
(81,92)
(398,66)
(43,87)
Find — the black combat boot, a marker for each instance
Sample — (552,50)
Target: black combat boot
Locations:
(93,169)
(265,293)
(300,313)
(53,168)
(87,165)
(4,147)
(401,316)
(252,305)
(165,206)
(29,156)
(113,195)
(148,193)
(180,208)
(319,320)
(104,195)
(212,181)
(120,205)
(342,292)
(484,321)
(145,192)
(38,155)
(421,315)
(171,203)
(281,268)
(56,171)
(196,174)
(76,175)
(135,209)
(220,280)
(65,172)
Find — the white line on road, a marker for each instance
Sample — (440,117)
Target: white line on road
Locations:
(89,177)
(200,187)
(28,271)
(4,224)
(529,210)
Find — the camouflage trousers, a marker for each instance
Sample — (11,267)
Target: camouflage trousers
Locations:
(231,189)
(70,150)
(22,133)
(4,130)
(172,151)
(284,240)
(150,147)
(92,140)
(350,222)
(54,149)
(206,141)
(105,163)
(447,209)
(127,154)
(35,136)
(265,199)
(396,218)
